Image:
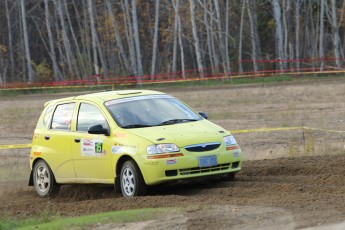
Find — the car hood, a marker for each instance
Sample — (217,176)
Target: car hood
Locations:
(182,134)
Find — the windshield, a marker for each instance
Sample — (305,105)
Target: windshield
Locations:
(147,111)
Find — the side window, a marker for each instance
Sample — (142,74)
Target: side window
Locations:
(47,116)
(89,115)
(62,117)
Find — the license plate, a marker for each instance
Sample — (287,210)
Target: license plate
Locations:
(207,161)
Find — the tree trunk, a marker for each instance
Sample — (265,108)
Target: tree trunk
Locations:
(175,5)
(79,59)
(26,43)
(252,36)
(208,36)
(289,31)
(226,66)
(336,42)
(297,46)
(118,38)
(129,35)
(65,39)
(155,42)
(196,40)
(279,33)
(322,31)
(226,39)
(137,41)
(95,43)
(176,8)
(56,71)
(240,66)
(10,42)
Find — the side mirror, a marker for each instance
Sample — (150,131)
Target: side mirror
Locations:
(98,129)
(204,115)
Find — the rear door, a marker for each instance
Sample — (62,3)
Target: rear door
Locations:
(91,152)
(57,139)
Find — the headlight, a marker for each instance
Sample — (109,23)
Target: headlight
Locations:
(230,140)
(162,148)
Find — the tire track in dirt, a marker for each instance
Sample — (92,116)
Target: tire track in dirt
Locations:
(310,190)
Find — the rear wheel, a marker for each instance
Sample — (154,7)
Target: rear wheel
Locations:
(44,180)
(132,181)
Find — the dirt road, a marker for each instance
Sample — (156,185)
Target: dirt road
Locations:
(285,193)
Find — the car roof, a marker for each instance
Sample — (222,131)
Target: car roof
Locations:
(106,95)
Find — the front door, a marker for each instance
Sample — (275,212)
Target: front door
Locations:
(91,152)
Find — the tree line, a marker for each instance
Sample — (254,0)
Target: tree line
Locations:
(57,40)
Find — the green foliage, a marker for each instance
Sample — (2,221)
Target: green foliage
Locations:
(43,71)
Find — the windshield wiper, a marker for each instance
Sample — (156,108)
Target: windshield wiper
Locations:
(135,126)
(175,121)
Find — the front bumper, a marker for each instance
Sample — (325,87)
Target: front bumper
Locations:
(186,166)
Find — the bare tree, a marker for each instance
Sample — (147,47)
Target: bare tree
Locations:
(10,40)
(56,71)
(26,43)
(240,66)
(155,41)
(96,46)
(322,31)
(225,59)
(253,35)
(335,27)
(137,41)
(196,40)
(279,33)
(66,42)
(297,35)
(177,16)
(118,37)
(175,4)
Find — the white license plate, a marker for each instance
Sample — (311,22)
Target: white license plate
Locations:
(207,161)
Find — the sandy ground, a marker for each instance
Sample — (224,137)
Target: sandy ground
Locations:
(290,179)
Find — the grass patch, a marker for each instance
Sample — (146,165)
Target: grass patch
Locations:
(86,222)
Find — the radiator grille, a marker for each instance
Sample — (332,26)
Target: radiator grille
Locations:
(196,170)
(203,147)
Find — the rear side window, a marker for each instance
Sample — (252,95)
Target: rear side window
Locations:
(62,117)
(47,116)
(90,115)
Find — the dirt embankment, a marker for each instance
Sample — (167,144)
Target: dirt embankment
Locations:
(285,193)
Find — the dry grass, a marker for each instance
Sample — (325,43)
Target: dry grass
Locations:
(314,104)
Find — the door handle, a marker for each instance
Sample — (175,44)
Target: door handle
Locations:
(47,137)
(77,140)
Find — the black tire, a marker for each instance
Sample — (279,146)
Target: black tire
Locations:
(229,177)
(131,180)
(44,180)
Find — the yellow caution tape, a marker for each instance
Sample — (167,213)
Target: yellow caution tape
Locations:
(284,129)
(23,146)
(264,129)
(326,130)
(15,146)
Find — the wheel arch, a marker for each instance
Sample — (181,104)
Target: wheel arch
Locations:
(31,179)
(118,167)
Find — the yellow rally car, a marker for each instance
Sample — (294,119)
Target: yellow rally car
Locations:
(130,138)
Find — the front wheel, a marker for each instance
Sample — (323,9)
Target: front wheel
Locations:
(229,177)
(132,181)
(44,180)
